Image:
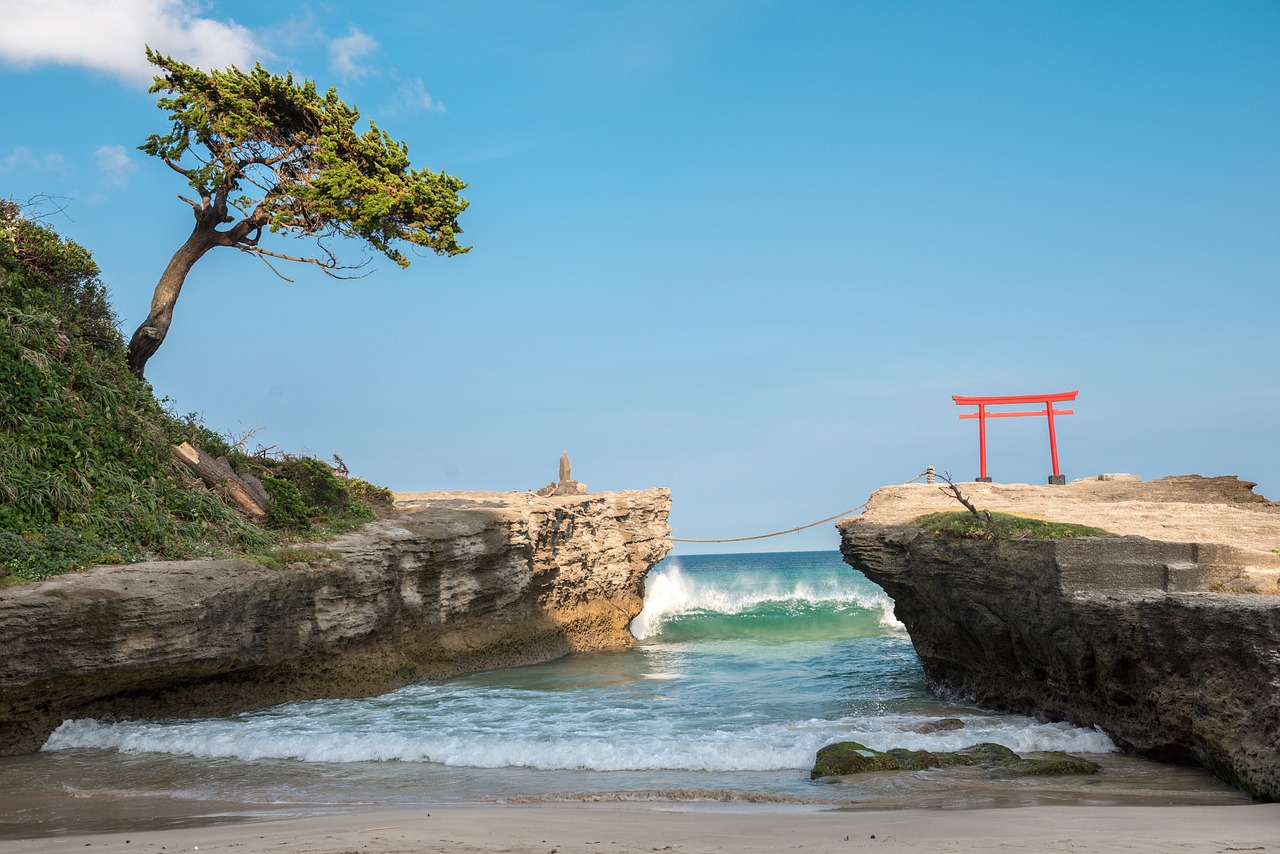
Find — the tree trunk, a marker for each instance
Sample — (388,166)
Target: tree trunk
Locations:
(217,474)
(151,333)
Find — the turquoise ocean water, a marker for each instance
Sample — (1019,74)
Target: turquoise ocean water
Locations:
(745,665)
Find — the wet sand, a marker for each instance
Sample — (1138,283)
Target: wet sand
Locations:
(594,828)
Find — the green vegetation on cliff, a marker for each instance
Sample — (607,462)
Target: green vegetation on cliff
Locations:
(962,524)
(86,468)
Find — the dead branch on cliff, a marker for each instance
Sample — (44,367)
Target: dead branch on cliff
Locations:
(952,489)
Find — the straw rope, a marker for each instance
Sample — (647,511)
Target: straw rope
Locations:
(534,496)
(848,512)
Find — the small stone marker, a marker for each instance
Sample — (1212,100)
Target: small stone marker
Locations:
(566,485)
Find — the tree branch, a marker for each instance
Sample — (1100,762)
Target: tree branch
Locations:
(328,267)
(174,166)
(270,266)
(955,492)
(983,516)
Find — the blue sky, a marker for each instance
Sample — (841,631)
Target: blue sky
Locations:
(744,250)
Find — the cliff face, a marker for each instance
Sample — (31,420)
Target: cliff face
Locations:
(1125,634)
(451,583)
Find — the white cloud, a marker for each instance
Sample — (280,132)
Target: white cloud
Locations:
(110,36)
(415,96)
(345,53)
(26,160)
(114,165)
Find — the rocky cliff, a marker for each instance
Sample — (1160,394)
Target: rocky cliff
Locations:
(1127,634)
(450,583)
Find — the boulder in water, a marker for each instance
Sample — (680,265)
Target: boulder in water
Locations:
(850,757)
(940,725)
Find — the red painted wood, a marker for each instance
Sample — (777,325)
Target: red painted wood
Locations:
(972,400)
(983,401)
(982,440)
(1017,414)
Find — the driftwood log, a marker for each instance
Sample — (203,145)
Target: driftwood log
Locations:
(245,490)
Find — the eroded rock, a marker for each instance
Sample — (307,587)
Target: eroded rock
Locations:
(451,583)
(1127,634)
(849,757)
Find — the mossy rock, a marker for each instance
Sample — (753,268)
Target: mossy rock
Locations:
(923,760)
(988,753)
(850,757)
(1055,763)
(940,725)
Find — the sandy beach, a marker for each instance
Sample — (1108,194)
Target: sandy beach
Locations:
(592,829)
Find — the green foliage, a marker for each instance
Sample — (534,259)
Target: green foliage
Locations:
(961,524)
(191,428)
(317,484)
(291,159)
(86,469)
(307,493)
(289,509)
(378,497)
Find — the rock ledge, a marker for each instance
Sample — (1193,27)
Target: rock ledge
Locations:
(450,583)
(1127,634)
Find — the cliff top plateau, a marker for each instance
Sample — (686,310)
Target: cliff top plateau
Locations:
(1182,508)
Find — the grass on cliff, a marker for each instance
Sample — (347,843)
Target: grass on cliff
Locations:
(86,468)
(963,525)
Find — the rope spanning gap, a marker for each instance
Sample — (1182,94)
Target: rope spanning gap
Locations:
(533,497)
(848,512)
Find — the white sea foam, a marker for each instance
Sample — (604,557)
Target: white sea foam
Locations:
(609,739)
(671,593)
(1019,734)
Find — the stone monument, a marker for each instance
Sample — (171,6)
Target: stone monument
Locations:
(566,485)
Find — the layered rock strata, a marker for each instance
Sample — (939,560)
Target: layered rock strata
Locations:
(450,583)
(1127,634)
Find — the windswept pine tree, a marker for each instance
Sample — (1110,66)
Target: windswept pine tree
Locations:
(265,154)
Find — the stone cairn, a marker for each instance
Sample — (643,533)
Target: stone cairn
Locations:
(566,485)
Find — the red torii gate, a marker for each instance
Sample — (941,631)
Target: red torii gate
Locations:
(982,415)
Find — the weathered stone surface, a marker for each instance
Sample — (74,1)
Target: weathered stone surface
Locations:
(1125,634)
(849,757)
(451,583)
(1180,509)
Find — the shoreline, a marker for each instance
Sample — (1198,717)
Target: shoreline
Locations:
(593,828)
(35,813)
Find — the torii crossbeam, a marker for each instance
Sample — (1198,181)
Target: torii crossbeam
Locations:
(982,415)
